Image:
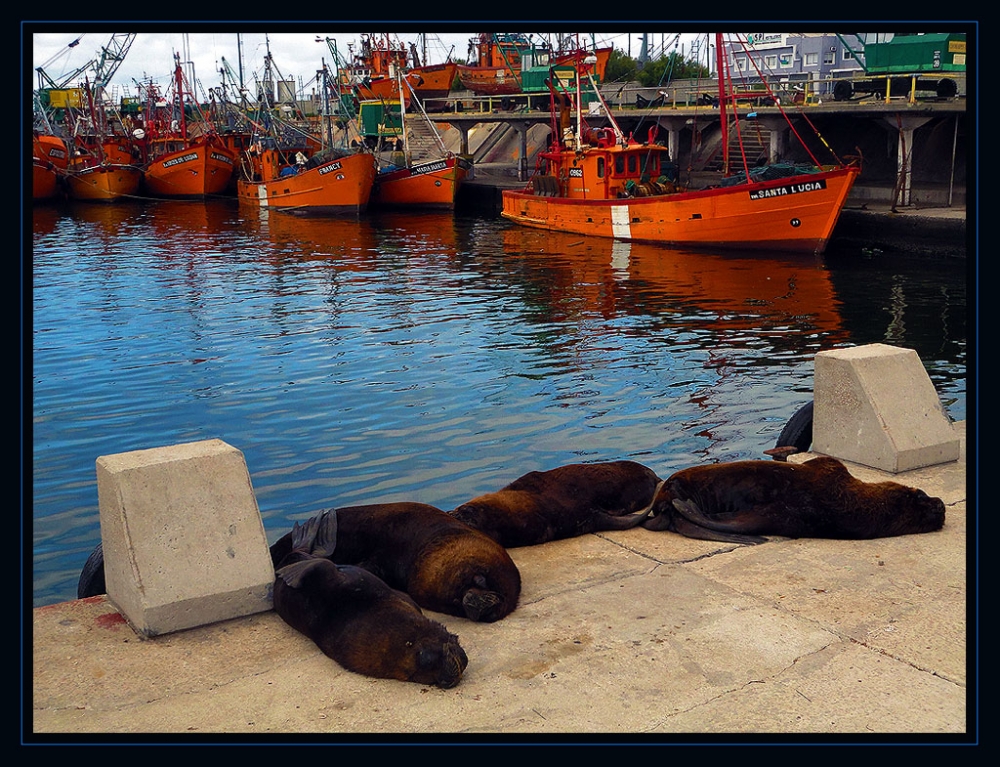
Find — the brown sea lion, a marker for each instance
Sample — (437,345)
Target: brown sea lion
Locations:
(358,620)
(564,502)
(741,501)
(442,563)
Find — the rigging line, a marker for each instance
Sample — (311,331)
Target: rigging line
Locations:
(802,113)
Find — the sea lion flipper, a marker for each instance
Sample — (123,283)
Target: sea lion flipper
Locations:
(325,541)
(318,536)
(294,573)
(691,522)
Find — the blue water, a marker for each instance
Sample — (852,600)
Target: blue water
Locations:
(425,357)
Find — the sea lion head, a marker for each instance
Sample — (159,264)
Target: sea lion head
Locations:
(465,573)
(910,510)
(397,641)
(438,660)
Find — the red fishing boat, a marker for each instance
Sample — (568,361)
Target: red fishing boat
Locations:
(597,182)
(49,159)
(182,160)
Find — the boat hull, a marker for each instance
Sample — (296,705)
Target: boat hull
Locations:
(199,170)
(104,183)
(489,81)
(340,187)
(431,184)
(49,158)
(44,181)
(796,213)
(434,80)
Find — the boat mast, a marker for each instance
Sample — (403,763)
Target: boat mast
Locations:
(402,118)
(723,118)
(179,84)
(579,105)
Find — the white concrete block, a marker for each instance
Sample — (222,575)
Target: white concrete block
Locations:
(876,405)
(184,544)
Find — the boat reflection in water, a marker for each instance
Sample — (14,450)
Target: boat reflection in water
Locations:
(743,291)
(348,244)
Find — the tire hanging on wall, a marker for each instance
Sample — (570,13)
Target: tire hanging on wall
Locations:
(798,432)
(92,582)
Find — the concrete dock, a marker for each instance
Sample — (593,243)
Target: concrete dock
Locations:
(633,636)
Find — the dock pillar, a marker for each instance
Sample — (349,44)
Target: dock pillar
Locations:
(876,405)
(183,540)
(907,126)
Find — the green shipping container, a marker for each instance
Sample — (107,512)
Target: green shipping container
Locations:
(911,52)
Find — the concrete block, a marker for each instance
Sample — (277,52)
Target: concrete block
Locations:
(184,544)
(876,405)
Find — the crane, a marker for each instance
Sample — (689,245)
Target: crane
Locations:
(103,66)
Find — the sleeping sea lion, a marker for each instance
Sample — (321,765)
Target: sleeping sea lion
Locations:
(741,501)
(442,563)
(564,502)
(359,621)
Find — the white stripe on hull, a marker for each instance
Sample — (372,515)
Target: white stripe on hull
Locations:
(620,225)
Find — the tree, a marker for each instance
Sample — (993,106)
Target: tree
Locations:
(621,67)
(662,70)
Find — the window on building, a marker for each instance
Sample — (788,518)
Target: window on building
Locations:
(770,62)
(811,59)
(830,56)
(784,60)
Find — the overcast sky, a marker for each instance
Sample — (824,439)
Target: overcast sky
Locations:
(297,55)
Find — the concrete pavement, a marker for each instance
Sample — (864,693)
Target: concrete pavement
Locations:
(639,636)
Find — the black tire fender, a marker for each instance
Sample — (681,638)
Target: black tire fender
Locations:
(798,432)
(91,582)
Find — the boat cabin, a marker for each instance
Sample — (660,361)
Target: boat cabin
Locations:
(602,168)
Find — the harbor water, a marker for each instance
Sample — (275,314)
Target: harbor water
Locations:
(426,357)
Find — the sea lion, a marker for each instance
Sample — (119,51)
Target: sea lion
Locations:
(564,502)
(442,563)
(742,501)
(358,620)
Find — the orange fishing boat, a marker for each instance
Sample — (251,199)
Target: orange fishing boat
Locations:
(496,70)
(430,184)
(595,181)
(49,159)
(500,61)
(420,171)
(288,167)
(103,171)
(373,73)
(179,163)
(330,182)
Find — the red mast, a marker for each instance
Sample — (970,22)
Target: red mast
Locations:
(723,95)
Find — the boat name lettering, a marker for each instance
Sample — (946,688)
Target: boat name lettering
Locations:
(576,172)
(781,191)
(429,167)
(222,157)
(179,160)
(327,168)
